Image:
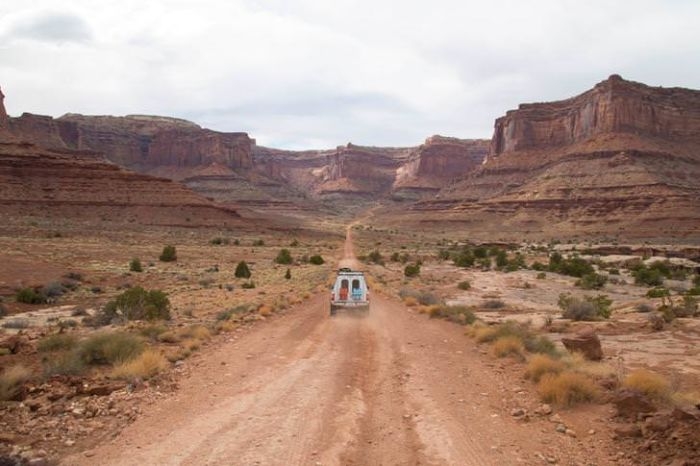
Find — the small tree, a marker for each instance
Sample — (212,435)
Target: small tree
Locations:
(242,270)
(169,254)
(135,265)
(288,274)
(284,257)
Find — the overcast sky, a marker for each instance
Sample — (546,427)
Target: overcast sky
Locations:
(315,74)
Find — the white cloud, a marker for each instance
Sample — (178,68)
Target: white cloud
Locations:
(302,72)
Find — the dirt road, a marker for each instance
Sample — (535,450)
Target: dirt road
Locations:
(394,388)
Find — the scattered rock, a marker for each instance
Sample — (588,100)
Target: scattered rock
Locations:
(103,389)
(543,410)
(630,404)
(517,412)
(585,342)
(561,428)
(570,433)
(628,431)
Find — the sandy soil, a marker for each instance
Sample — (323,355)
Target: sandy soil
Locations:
(392,388)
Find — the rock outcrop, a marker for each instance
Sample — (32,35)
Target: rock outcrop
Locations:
(3,112)
(621,160)
(439,161)
(612,106)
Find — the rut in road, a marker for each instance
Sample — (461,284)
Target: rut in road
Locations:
(390,389)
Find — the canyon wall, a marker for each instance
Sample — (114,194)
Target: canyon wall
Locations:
(612,106)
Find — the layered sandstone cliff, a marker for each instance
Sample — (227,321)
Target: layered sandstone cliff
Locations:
(622,159)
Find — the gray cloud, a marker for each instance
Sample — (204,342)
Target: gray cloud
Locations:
(52,27)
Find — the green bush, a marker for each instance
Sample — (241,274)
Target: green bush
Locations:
(646,276)
(458,314)
(64,363)
(110,348)
(29,296)
(248,285)
(541,276)
(464,258)
(316,260)
(464,285)
(138,304)
(501,258)
(592,281)
(574,266)
(242,270)
(412,270)
(258,242)
(218,241)
(57,342)
(589,308)
(169,254)
(284,257)
(135,265)
(288,274)
(688,308)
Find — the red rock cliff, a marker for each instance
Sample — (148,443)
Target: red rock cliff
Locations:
(3,113)
(612,106)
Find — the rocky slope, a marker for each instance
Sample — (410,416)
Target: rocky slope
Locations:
(622,159)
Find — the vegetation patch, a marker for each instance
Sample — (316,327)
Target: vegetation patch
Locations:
(567,388)
(57,342)
(509,345)
(11,381)
(169,254)
(110,348)
(144,366)
(540,365)
(588,308)
(648,383)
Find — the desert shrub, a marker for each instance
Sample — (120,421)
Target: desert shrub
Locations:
(138,304)
(687,308)
(459,314)
(135,265)
(658,292)
(258,242)
(573,266)
(648,276)
(242,270)
(540,365)
(67,323)
(567,388)
(540,344)
(592,281)
(648,383)
(109,348)
(288,274)
(316,259)
(143,366)
(411,270)
(375,257)
(284,257)
(77,276)
(232,312)
(57,342)
(53,290)
(16,323)
(538,266)
(493,304)
(509,345)
(463,258)
(541,276)
(589,308)
(248,285)
(218,241)
(169,254)
(644,307)
(694,291)
(464,285)
(501,258)
(481,252)
(29,296)
(11,381)
(64,363)
(485,334)
(153,331)
(3,310)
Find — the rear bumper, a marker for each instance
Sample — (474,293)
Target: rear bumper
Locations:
(350,306)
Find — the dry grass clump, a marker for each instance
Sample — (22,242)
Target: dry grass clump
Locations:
(541,364)
(410,301)
(57,342)
(485,334)
(649,383)
(12,379)
(225,326)
(567,388)
(197,332)
(265,310)
(146,365)
(597,370)
(508,345)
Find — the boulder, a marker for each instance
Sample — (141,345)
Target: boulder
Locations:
(631,404)
(585,342)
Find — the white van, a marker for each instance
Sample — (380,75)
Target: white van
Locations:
(350,292)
